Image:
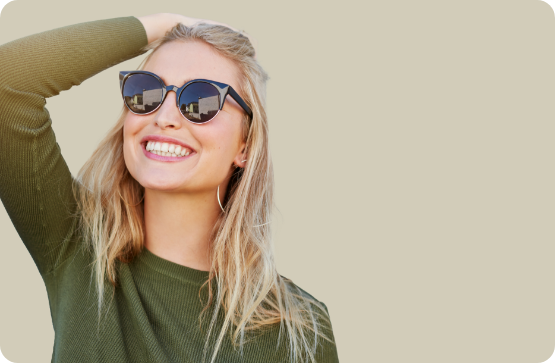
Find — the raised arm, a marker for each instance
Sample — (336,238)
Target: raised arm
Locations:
(35,182)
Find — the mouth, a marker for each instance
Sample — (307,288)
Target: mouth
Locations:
(165,149)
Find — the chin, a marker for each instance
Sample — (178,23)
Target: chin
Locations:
(159,185)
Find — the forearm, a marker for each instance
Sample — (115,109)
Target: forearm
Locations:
(50,62)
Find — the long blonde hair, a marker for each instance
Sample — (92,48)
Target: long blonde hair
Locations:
(248,286)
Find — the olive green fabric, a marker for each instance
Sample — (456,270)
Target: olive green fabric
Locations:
(153,316)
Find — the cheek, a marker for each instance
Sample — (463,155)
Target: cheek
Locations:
(131,125)
(221,143)
(128,142)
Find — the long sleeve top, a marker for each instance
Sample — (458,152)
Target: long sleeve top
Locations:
(153,316)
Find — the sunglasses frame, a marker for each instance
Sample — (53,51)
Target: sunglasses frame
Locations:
(223,89)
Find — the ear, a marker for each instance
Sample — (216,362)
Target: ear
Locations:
(241,159)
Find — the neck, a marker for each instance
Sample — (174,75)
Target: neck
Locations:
(178,226)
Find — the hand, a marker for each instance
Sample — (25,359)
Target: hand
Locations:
(188,21)
(156,25)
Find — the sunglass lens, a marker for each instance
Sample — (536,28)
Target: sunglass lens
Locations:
(142,93)
(199,102)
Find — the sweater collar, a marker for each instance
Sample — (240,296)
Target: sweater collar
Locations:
(172,269)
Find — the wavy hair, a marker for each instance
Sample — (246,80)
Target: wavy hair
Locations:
(243,272)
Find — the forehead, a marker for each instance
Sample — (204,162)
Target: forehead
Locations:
(179,62)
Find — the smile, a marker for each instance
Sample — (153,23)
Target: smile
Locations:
(159,155)
(167,149)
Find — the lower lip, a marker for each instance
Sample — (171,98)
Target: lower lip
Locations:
(164,158)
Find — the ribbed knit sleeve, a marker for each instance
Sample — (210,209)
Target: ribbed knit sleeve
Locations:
(35,182)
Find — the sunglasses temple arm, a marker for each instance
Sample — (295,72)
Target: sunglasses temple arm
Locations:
(240,101)
(122,75)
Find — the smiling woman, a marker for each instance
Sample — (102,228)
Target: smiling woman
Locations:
(171,215)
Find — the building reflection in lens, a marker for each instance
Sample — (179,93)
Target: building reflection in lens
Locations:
(199,101)
(202,110)
(142,92)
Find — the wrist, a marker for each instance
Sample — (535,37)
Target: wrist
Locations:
(156,25)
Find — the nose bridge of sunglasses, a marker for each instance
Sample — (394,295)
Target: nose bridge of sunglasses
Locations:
(174,89)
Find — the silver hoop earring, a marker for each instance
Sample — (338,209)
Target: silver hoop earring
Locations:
(218,195)
(220,203)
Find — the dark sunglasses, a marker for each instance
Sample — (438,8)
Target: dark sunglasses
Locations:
(199,100)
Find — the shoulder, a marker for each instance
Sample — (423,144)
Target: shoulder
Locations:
(327,349)
(297,289)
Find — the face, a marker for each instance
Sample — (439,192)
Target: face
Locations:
(214,146)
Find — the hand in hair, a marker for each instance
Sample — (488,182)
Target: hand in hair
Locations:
(156,25)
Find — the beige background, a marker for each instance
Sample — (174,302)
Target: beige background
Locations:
(413,144)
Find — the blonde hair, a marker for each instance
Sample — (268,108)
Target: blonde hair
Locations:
(248,288)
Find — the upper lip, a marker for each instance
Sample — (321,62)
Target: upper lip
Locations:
(160,138)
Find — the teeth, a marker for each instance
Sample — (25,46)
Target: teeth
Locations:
(166,149)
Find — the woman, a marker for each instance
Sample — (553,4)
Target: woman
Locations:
(169,220)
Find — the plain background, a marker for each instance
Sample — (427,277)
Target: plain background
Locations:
(413,144)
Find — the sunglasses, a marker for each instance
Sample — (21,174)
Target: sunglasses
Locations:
(199,100)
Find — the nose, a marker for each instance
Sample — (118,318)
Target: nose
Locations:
(168,115)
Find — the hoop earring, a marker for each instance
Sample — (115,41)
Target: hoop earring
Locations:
(220,203)
(129,205)
(218,195)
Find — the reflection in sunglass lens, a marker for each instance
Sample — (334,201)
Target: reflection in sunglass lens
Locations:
(199,102)
(142,93)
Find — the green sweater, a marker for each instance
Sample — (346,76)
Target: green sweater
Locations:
(154,314)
